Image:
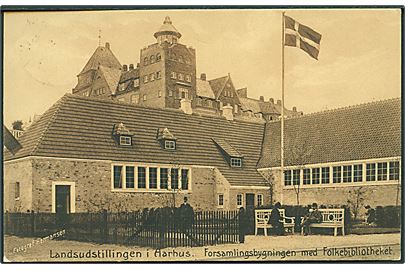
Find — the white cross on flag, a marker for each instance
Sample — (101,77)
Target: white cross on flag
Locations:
(301,36)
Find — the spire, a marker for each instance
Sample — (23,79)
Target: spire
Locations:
(167,32)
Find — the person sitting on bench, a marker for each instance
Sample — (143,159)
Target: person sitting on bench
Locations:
(314,216)
(276,220)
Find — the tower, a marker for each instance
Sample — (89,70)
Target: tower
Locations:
(167,70)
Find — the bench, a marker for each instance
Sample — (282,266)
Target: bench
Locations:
(331,218)
(262,220)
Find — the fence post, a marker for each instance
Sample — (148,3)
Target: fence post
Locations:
(32,223)
(242,224)
(104,227)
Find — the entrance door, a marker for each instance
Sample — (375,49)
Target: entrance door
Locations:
(62,199)
(250,200)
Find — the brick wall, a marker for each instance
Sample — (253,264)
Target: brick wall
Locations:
(18,171)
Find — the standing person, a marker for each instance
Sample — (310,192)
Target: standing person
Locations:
(370,215)
(186,214)
(314,216)
(276,220)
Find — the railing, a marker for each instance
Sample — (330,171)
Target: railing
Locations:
(156,229)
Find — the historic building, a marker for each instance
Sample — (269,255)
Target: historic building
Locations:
(166,77)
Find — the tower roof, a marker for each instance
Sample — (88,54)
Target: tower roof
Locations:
(103,56)
(167,28)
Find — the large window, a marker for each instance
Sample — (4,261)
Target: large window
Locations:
(315,175)
(152,177)
(325,175)
(239,200)
(130,176)
(394,170)
(347,173)
(306,177)
(287,178)
(382,171)
(296,177)
(357,173)
(370,172)
(141,177)
(337,174)
(164,178)
(184,179)
(174,178)
(118,177)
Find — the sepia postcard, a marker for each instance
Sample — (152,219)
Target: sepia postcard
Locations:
(202,134)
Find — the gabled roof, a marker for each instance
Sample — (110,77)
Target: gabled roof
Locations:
(366,131)
(218,84)
(165,134)
(102,56)
(204,89)
(80,127)
(111,76)
(250,104)
(121,129)
(227,148)
(130,74)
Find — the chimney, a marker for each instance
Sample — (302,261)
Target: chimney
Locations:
(227,112)
(261,98)
(107,45)
(278,102)
(203,76)
(131,66)
(294,109)
(125,67)
(185,106)
(271,100)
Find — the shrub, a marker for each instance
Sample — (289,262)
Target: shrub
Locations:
(388,216)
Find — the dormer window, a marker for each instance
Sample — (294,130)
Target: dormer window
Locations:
(125,140)
(170,145)
(166,139)
(236,162)
(122,135)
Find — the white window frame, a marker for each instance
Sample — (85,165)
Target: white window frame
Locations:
(236,162)
(136,83)
(170,145)
(241,200)
(188,78)
(259,199)
(173,75)
(145,97)
(125,140)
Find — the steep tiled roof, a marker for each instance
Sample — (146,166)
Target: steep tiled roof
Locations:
(130,74)
(218,84)
(111,76)
(249,104)
(227,147)
(103,56)
(366,131)
(81,127)
(204,89)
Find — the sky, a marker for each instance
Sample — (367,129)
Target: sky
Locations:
(359,59)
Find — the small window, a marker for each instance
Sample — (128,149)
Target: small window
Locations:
(117,176)
(146,61)
(164,176)
(239,200)
(136,83)
(135,99)
(287,177)
(170,93)
(358,173)
(145,78)
(173,75)
(394,170)
(174,173)
(236,108)
(152,59)
(159,93)
(152,77)
(170,145)
(370,172)
(180,77)
(306,176)
(259,199)
(152,177)
(158,74)
(17,190)
(382,171)
(316,175)
(141,177)
(144,97)
(130,176)
(325,175)
(236,162)
(158,57)
(181,59)
(220,200)
(188,78)
(125,140)
(337,174)
(188,61)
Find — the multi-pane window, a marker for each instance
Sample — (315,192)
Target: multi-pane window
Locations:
(370,172)
(16,190)
(174,173)
(152,177)
(382,171)
(259,199)
(164,177)
(125,140)
(287,178)
(394,170)
(296,177)
(306,176)
(315,175)
(239,200)
(118,176)
(180,77)
(141,177)
(347,173)
(325,175)
(135,99)
(130,176)
(184,179)
(220,199)
(357,173)
(183,93)
(170,145)
(236,162)
(337,174)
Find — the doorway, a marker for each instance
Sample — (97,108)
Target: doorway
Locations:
(250,200)
(62,199)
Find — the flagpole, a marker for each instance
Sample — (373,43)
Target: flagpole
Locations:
(282,106)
